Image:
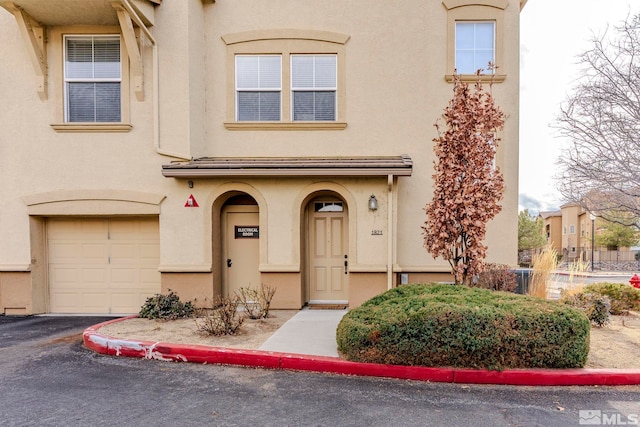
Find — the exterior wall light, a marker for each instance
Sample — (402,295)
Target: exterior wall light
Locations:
(373,203)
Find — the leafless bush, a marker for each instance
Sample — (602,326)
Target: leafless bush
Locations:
(224,319)
(497,277)
(256,302)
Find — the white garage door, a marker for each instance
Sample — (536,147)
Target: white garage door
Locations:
(102,265)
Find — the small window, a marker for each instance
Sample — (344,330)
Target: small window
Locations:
(564,230)
(572,229)
(475,46)
(92,75)
(328,207)
(313,87)
(258,87)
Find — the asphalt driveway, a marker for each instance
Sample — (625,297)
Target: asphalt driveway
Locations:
(16,329)
(47,378)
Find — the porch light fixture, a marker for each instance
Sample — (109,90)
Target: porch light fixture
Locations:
(190,184)
(373,203)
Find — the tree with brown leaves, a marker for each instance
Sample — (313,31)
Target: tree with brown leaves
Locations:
(467,184)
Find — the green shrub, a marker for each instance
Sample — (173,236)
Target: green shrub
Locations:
(595,306)
(497,277)
(457,326)
(623,297)
(168,307)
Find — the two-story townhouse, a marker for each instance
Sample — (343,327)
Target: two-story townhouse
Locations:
(202,146)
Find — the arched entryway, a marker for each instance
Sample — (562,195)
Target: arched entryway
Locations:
(240,233)
(327,245)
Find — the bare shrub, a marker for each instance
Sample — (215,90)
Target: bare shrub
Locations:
(224,319)
(256,302)
(497,277)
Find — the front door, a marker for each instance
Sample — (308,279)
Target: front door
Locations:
(242,248)
(328,258)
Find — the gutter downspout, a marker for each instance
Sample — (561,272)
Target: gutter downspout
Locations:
(390,233)
(156,86)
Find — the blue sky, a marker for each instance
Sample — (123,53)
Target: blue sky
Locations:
(553,33)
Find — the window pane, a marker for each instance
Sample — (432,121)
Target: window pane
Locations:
(484,36)
(464,35)
(107,57)
(258,106)
(107,102)
(80,102)
(270,72)
(465,63)
(79,58)
(269,106)
(247,72)
(325,106)
(258,72)
(302,71)
(325,72)
(314,106)
(303,105)
(93,102)
(483,57)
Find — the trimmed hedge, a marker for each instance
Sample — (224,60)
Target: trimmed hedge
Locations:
(456,326)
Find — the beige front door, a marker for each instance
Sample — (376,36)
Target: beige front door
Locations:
(242,248)
(328,258)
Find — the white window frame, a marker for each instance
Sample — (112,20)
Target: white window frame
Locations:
(257,89)
(474,49)
(94,79)
(314,88)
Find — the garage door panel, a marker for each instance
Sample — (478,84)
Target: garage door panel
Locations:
(102,265)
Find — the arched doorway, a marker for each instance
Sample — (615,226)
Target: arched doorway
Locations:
(327,244)
(240,231)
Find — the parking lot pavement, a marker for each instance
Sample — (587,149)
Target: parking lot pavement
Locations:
(17,329)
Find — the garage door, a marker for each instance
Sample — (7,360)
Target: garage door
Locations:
(102,265)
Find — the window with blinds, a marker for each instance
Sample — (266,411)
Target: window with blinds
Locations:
(92,73)
(313,87)
(258,87)
(475,46)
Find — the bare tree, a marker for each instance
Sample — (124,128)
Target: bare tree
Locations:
(468,186)
(600,166)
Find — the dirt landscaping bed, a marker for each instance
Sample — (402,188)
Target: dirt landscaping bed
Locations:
(616,345)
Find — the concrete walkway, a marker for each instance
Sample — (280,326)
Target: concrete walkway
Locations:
(308,332)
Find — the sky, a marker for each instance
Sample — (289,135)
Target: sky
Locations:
(552,35)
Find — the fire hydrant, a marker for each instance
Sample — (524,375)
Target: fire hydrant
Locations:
(635,281)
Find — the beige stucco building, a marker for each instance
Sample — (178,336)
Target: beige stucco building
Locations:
(201,146)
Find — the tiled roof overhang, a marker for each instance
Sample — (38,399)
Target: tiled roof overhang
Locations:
(290,166)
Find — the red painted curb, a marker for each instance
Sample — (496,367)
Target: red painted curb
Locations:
(299,362)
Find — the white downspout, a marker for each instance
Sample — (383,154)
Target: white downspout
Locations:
(390,233)
(156,85)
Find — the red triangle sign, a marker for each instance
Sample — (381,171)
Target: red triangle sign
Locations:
(191,202)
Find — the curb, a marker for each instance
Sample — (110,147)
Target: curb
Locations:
(103,344)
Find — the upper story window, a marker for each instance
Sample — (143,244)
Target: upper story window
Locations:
(313,87)
(92,79)
(258,87)
(286,79)
(475,46)
(475,36)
